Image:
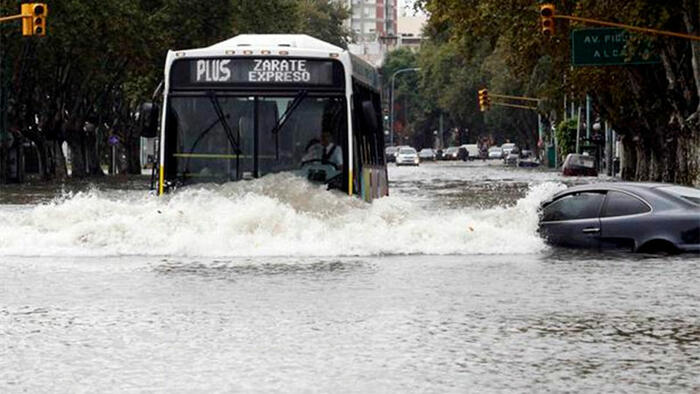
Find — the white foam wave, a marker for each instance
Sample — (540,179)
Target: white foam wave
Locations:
(277,215)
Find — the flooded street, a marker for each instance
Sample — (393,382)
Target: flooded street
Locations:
(275,285)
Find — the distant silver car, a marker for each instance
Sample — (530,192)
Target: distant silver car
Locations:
(640,217)
(390,153)
(407,156)
(452,153)
(427,154)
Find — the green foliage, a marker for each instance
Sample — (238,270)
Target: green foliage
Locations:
(566,136)
(408,103)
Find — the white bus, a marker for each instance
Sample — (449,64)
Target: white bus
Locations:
(259,104)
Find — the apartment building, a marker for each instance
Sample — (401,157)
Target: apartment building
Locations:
(374,26)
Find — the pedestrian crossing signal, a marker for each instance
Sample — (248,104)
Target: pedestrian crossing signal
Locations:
(34,19)
(484,101)
(547,19)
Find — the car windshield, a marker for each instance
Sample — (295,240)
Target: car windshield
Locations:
(428,151)
(452,149)
(495,149)
(686,193)
(390,150)
(407,151)
(508,146)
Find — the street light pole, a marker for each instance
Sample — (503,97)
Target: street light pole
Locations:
(391,103)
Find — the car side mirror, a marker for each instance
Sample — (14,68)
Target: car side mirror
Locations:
(147,119)
(370,115)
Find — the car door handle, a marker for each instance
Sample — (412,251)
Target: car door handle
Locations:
(590,230)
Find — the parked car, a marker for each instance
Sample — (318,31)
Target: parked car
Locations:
(527,159)
(472,150)
(427,154)
(495,152)
(579,165)
(390,153)
(512,158)
(507,148)
(407,156)
(451,153)
(640,217)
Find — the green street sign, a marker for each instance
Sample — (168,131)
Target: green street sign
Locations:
(607,47)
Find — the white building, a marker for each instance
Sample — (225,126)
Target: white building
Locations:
(374,26)
(379,26)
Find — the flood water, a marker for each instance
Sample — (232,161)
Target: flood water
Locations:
(275,285)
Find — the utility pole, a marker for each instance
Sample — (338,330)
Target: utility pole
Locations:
(588,117)
(391,103)
(578,130)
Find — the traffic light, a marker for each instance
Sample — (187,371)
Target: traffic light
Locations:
(484,101)
(547,19)
(34,19)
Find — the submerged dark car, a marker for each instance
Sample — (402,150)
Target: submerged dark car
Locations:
(639,217)
(579,165)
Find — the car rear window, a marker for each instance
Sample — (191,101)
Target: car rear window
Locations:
(407,151)
(574,206)
(622,204)
(581,161)
(686,193)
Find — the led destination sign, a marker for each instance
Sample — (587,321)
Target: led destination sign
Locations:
(247,71)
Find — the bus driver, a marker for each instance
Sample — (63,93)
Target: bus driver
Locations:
(323,161)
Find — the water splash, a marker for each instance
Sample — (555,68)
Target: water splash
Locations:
(276,215)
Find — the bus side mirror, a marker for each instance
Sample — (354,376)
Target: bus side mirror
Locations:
(147,120)
(370,115)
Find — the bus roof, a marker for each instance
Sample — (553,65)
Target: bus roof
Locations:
(295,45)
(297,41)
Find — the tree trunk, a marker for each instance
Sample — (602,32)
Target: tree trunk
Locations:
(133,154)
(687,158)
(93,156)
(60,161)
(629,159)
(77,155)
(3,164)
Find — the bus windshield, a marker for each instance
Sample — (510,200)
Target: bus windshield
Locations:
(231,137)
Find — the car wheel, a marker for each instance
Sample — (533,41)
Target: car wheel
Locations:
(658,246)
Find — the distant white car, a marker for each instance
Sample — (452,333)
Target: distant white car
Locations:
(407,156)
(473,151)
(506,148)
(495,152)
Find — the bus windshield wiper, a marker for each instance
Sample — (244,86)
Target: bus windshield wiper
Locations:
(285,116)
(293,106)
(224,122)
(223,119)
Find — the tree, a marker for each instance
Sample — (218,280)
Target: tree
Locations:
(655,108)
(100,59)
